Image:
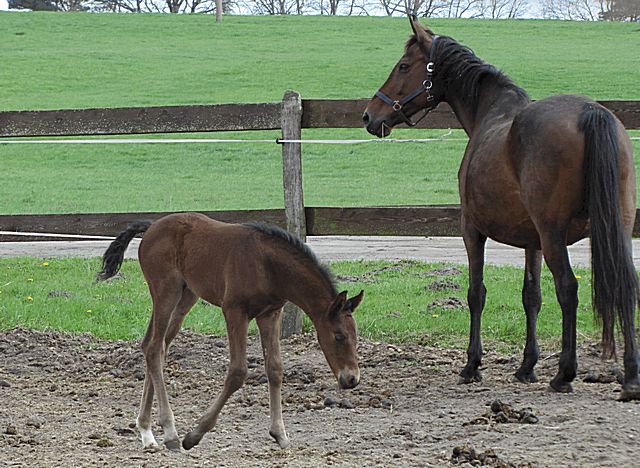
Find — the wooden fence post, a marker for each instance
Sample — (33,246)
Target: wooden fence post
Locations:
(293,198)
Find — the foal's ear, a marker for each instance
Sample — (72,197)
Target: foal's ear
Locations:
(423,37)
(355,301)
(338,304)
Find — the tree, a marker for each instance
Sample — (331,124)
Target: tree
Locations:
(622,10)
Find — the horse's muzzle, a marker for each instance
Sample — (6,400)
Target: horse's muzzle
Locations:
(375,127)
(349,379)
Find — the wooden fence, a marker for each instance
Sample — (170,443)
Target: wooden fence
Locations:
(291,116)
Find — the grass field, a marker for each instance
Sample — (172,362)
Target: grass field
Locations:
(52,61)
(93,60)
(61,294)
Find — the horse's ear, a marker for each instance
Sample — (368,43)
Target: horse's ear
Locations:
(355,301)
(338,304)
(423,37)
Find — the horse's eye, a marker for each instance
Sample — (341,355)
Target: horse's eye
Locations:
(404,67)
(340,337)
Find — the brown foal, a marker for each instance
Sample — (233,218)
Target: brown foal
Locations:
(250,271)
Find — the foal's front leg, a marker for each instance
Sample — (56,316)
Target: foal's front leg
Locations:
(269,326)
(237,325)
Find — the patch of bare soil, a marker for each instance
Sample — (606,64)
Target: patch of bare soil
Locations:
(71,400)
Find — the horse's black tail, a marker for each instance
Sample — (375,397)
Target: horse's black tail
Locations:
(114,255)
(614,281)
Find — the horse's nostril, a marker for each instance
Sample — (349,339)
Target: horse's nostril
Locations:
(365,118)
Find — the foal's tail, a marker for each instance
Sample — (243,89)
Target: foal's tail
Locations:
(114,255)
(614,281)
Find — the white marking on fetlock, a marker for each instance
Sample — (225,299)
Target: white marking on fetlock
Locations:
(148,440)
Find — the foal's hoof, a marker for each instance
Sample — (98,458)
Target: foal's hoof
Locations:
(560,386)
(467,377)
(282,440)
(526,377)
(630,392)
(173,445)
(190,441)
(151,448)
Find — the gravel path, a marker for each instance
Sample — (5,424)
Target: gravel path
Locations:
(333,248)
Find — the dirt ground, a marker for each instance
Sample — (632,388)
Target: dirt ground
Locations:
(71,400)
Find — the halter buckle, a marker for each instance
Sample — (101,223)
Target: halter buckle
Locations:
(427,84)
(396,106)
(430,67)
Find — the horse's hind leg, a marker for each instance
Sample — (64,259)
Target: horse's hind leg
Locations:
(166,296)
(557,258)
(187,301)
(531,300)
(474,243)
(237,326)
(269,326)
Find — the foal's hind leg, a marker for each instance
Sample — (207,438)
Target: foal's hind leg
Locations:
(269,325)
(476,295)
(187,301)
(531,300)
(557,258)
(166,297)
(237,326)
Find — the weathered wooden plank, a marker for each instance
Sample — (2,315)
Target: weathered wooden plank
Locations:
(110,224)
(334,113)
(443,220)
(140,120)
(435,220)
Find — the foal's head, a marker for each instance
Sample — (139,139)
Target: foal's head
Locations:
(409,88)
(338,339)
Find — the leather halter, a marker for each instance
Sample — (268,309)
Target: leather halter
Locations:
(427,85)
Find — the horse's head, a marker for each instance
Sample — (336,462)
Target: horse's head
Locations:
(338,339)
(409,88)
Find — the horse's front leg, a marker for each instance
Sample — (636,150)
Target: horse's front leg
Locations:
(237,326)
(531,300)
(557,258)
(269,326)
(474,242)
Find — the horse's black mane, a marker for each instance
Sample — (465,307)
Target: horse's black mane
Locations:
(298,245)
(462,70)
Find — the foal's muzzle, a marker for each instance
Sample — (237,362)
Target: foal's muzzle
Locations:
(349,379)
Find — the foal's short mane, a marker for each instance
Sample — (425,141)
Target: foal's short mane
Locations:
(299,247)
(464,70)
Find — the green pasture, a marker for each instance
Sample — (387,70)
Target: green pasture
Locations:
(77,60)
(401,303)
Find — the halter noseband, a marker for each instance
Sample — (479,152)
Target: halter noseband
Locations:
(426,87)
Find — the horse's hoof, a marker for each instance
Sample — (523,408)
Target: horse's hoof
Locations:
(151,448)
(560,386)
(470,377)
(282,440)
(173,445)
(630,392)
(190,441)
(526,377)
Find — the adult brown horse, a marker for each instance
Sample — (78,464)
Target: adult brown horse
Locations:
(536,175)
(250,270)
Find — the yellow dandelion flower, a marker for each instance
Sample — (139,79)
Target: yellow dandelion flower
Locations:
(30,280)
(88,311)
(578,276)
(435,315)
(29,298)
(45,263)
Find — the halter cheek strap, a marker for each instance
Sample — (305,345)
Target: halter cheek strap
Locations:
(426,87)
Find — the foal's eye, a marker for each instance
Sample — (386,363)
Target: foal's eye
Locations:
(340,337)
(404,67)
